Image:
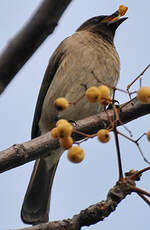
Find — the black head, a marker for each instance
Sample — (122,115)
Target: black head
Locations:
(103,25)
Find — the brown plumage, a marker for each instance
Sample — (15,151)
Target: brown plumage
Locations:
(89,49)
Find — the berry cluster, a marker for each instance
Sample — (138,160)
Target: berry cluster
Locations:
(101,95)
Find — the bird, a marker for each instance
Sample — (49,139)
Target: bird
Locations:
(89,50)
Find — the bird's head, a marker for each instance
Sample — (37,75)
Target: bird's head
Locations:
(104,25)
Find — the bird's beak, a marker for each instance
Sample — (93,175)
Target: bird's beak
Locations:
(111,17)
(114,20)
(117,22)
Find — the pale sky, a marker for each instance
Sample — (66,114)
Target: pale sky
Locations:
(75,186)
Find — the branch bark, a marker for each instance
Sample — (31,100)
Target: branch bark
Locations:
(22,153)
(26,42)
(92,214)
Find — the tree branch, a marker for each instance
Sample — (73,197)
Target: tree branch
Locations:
(25,43)
(93,213)
(22,153)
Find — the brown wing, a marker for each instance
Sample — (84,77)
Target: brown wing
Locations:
(54,62)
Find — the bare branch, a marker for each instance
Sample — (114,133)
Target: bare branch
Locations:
(26,42)
(140,75)
(92,214)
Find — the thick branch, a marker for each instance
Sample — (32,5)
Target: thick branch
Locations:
(92,214)
(22,153)
(25,43)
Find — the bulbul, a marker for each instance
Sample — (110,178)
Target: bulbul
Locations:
(89,50)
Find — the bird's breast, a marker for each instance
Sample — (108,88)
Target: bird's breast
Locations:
(85,54)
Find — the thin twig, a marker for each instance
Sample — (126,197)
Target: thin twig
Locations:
(79,142)
(104,83)
(84,134)
(141,137)
(140,150)
(126,103)
(119,120)
(137,173)
(109,119)
(137,144)
(139,190)
(118,153)
(144,198)
(75,102)
(128,86)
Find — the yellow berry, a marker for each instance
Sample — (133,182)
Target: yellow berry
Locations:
(64,130)
(75,154)
(66,142)
(122,10)
(54,133)
(61,121)
(148,135)
(103,135)
(144,94)
(92,94)
(104,97)
(61,103)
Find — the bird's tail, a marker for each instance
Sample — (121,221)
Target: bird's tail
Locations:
(35,208)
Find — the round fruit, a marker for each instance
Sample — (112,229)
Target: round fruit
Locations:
(61,103)
(104,97)
(61,121)
(75,154)
(54,133)
(66,142)
(92,94)
(148,135)
(64,130)
(103,135)
(143,94)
